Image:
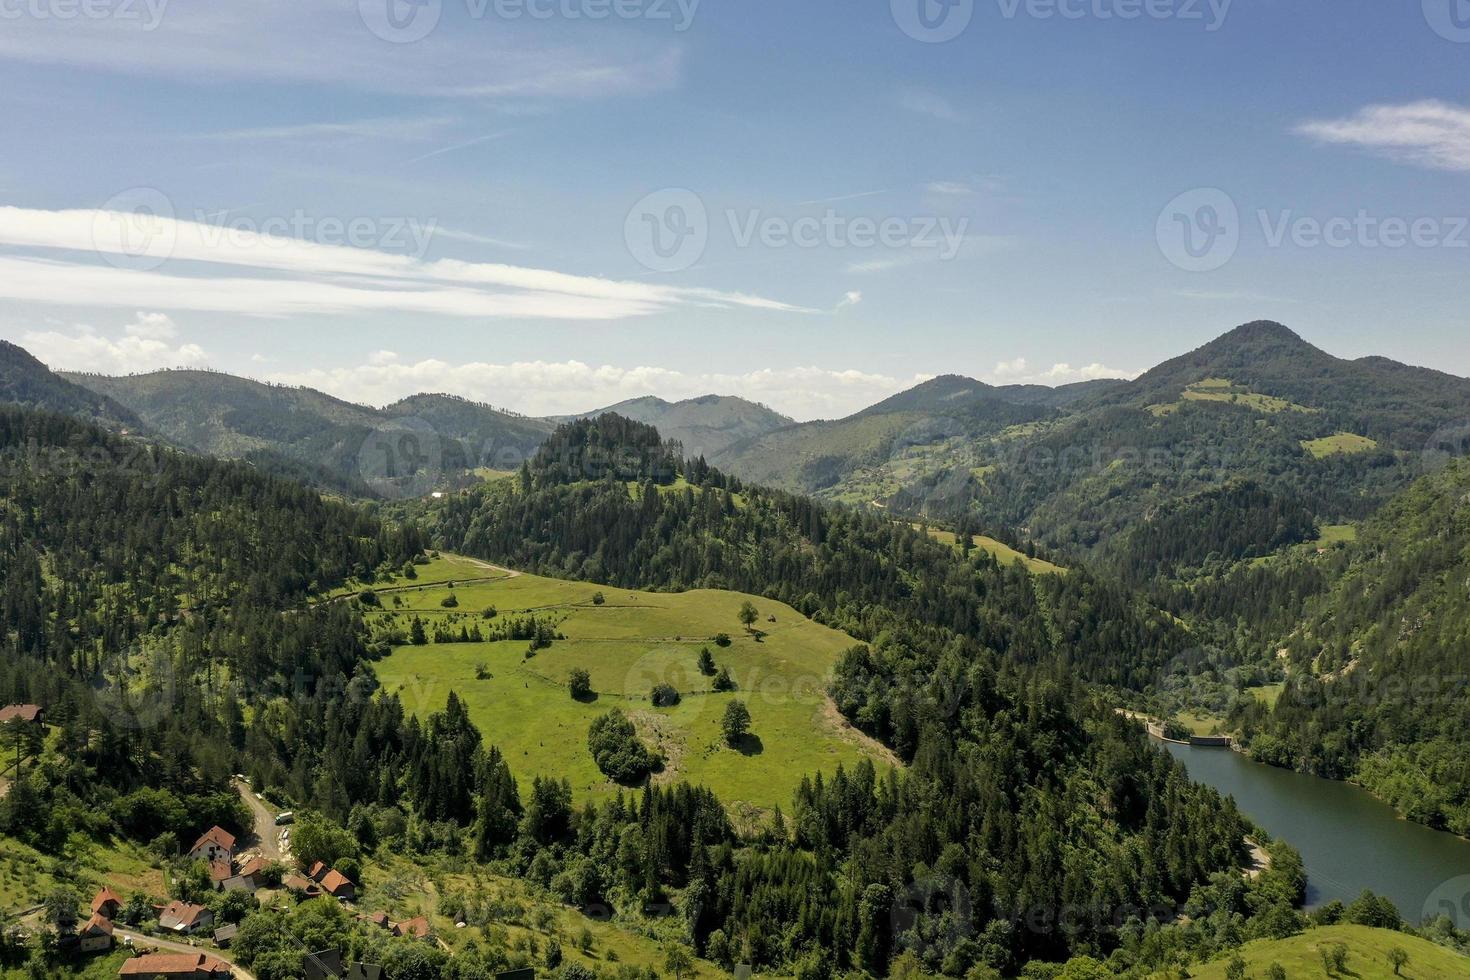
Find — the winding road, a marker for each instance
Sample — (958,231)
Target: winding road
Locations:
(264,823)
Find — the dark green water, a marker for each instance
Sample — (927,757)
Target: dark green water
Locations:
(1348,839)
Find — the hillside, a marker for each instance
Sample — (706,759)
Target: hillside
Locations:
(628,642)
(1367,956)
(26,381)
(706,425)
(1374,691)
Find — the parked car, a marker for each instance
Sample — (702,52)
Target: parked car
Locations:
(284,818)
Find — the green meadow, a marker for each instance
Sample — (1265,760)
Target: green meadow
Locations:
(1367,957)
(628,642)
(1343,443)
(1002,552)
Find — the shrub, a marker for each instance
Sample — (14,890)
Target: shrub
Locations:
(580,683)
(665,696)
(616,749)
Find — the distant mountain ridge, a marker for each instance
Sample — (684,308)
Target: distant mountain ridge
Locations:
(26,381)
(705,425)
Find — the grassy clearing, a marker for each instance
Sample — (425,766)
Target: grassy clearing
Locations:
(1336,534)
(628,643)
(1003,552)
(522,918)
(1367,956)
(1199,723)
(1267,694)
(1343,443)
(1224,390)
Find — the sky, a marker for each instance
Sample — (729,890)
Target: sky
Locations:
(552,205)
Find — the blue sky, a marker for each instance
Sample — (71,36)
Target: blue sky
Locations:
(472,210)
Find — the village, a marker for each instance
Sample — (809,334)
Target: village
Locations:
(185,940)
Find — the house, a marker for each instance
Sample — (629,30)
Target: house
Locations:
(176,966)
(95,936)
(336,884)
(185,918)
(254,869)
(379,919)
(363,971)
(216,844)
(32,713)
(106,903)
(418,928)
(322,965)
(219,873)
(225,935)
(298,885)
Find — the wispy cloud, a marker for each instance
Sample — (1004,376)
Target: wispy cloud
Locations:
(1427,134)
(949,188)
(931,104)
(304,276)
(851,298)
(402,128)
(454,147)
(326,42)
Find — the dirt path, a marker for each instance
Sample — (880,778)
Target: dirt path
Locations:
(833,719)
(1260,860)
(265,830)
(141,941)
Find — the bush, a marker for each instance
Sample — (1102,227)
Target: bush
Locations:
(723,680)
(450,601)
(368,598)
(617,751)
(597,599)
(665,696)
(580,684)
(722,639)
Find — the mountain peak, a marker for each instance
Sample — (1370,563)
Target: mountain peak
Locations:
(1259,330)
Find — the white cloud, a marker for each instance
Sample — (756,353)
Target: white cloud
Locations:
(1428,134)
(142,347)
(1017,371)
(931,104)
(398,128)
(566,387)
(308,277)
(327,42)
(851,298)
(949,188)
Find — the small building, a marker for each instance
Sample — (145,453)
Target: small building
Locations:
(305,887)
(418,928)
(215,844)
(185,918)
(31,713)
(95,936)
(106,903)
(225,935)
(176,966)
(219,873)
(336,884)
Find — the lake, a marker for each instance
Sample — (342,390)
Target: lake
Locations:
(1348,840)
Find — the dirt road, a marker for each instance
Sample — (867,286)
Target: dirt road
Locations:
(264,824)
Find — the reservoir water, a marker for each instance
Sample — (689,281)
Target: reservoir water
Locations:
(1348,840)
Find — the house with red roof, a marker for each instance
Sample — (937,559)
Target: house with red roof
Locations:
(32,713)
(215,844)
(96,935)
(185,917)
(106,903)
(176,966)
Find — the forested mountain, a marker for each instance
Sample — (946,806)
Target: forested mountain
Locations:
(26,381)
(704,426)
(313,436)
(1376,687)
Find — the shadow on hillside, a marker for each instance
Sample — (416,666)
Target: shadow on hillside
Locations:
(749,745)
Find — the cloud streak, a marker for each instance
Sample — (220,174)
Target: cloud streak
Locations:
(295,276)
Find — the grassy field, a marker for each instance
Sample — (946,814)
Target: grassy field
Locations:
(1267,694)
(627,644)
(1003,552)
(518,916)
(1200,724)
(1345,443)
(1367,956)
(1224,390)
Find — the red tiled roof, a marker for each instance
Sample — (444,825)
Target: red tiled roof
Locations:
(172,964)
(334,882)
(98,923)
(316,871)
(296,883)
(217,835)
(417,928)
(253,867)
(220,870)
(24,712)
(182,912)
(103,897)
